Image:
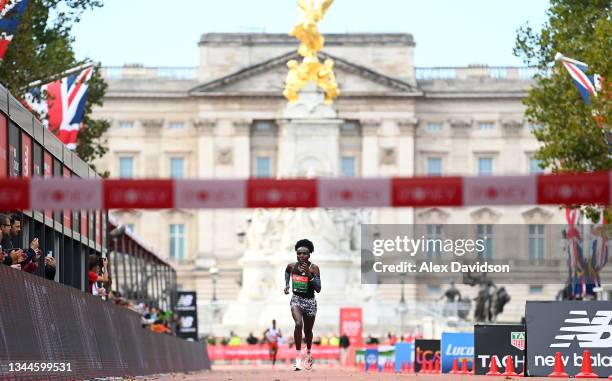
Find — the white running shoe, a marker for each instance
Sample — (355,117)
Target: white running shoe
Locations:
(298,363)
(308,362)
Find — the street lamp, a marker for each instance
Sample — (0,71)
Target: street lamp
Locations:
(214,274)
(402,307)
(214,308)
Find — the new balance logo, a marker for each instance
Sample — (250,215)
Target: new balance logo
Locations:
(186,322)
(185,300)
(595,333)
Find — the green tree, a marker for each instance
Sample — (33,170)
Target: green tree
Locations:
(41,50)
(570,136)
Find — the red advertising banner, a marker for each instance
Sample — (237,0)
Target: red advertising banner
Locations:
(84,223)
(262,352)
(351,323)
(3,142)
(26,155)
(13,161)
(67,212)
(48,173)
(98,235)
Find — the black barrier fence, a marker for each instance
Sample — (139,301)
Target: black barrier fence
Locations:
(53,332)
(499,341)
(571,328)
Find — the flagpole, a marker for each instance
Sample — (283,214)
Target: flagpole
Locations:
(561,57)
(63,74)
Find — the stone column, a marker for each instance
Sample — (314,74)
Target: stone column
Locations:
(369,150)
(511,131)
(205,170)
(205,153)
(458,158)
(153,152)
(242,148)
(407,147)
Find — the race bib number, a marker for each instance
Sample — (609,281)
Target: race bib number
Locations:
(299,283)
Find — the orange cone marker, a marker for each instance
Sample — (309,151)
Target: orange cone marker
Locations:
(464,367)
(586,371)
(493,368)
(559,370)
(510,371)
(455,369)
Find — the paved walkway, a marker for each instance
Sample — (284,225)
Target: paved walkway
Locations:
(281,373)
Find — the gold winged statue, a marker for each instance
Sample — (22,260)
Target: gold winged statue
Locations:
(311,41)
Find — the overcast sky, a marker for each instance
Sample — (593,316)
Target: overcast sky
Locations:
(165,33)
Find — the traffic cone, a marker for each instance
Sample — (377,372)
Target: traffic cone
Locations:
(464,367)
(586,371)
(455,369)
(437,366)
(559,370)
(510,371)
(493,369)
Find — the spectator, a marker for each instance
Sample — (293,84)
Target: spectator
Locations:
(334,341)
(234,340)
(324,340)
(159,327)
(224,341)
(5,230)
(212,340)
(94,277)
(252,340)
(50,268)
(317,340)
(16,231)
(345,343)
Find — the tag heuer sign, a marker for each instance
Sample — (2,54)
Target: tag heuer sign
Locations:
(517,339)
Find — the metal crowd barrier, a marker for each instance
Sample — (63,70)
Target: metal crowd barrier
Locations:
(54,332)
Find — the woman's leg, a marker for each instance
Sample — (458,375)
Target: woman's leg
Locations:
(308,324)
(297,332)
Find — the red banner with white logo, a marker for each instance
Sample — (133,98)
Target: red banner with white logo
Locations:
(517,190)
(565,189)
(262,352)
(138,194)
(428,191)
(268,193)
(209,194)
(14,194)
(351,324)
(47,173)
(582,188)
(26,155)
(355,193)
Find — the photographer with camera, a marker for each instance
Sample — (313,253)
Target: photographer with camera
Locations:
(94,273)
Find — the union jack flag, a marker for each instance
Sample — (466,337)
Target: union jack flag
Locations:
(10,10)
(62,105)
(587,84)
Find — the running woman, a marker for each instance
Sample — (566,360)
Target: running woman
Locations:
(272,335)
(305,280)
